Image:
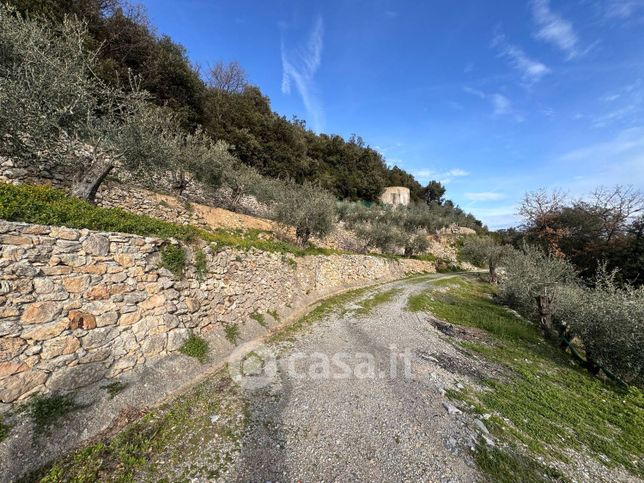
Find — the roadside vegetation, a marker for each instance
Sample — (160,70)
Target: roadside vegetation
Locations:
(196,347)
(367,305)
(550,411)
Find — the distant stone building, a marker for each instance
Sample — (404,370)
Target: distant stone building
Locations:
(396,195)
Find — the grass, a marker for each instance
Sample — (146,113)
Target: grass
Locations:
(326,307)
(232,333)
(201,265)
(173,257)
(196,347)
(46,411)
(273,313)
(259,318)
(115,388)
(549,406)
(4,429)
(368,304)
(177,442)
(48,206)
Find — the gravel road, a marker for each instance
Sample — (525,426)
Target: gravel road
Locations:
(360,396)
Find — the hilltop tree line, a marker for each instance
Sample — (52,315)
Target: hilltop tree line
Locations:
(224,105)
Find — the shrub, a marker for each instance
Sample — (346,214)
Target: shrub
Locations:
(484,252)
(173,257)
(259,318)
(195,347)
(232,332)
(45,411)
(201,264)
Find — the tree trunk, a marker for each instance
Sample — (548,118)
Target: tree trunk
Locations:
(89,183)
(302,235)
(545,315)
(493,276)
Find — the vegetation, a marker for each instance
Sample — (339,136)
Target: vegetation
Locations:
(115,388)
(273,313)
(196,347)
(548,405)
(4,429)
(201,265)
(173,258)
(174,434)
(485,252)
(259,318)
(232,332)
(45,411)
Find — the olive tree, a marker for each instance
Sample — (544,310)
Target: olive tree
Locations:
(485,252)
(308,208)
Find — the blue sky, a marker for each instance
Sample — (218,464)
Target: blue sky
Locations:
(494,98)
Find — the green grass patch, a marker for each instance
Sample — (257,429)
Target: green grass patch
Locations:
(162,445)
(4,429)
(232,332)
(48,206)
(380,298)
(201,265)
(326,307)
(115,388)
(46,411)
(425,257)
(196,347)
(173,257)
(548,405)
(273,313)
(259,318)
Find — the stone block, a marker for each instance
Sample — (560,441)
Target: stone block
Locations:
(40,313)
(20,384)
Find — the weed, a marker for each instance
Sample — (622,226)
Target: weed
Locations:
(164,204)
(173,257)
(273,313)
(45,411)
(4,429)
(232,332)
(259,318)
(188,207)
(115,388)
(201,265)
(196,347)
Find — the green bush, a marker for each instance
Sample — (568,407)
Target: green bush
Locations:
(201,265)
(173,257)
(196,347)
(232,332)
(45,411)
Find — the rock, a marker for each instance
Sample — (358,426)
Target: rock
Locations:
(77,284)
(64,233)
(130,318)
(10,368)
(46,332)
(40,312)
(81,320)
(176,339)
(11,347)
(153,345)
(81,375)
(15,386)
(99,292)
(152,302)
(96,245)
(98,337)
(59,347)
(124,259)
(450,408)
(481,426)
(43,285)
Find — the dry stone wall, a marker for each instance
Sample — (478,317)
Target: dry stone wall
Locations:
(78,307)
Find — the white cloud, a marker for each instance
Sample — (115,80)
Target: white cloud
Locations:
(484,196)
(501,105)
(623,8)
(531,70)
(300,66)
(425,175)
(553,28)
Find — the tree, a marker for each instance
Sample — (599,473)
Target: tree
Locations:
(308,208)
(434,192)
(484,251)
(230,78)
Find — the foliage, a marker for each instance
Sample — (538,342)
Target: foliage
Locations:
(201,264)
(545,404)
(4,429)
(196,347)
(173,258)
(273,313)
(310,210)
(484,252)
(232,332)
(259,318)
(45,411)
(434,192)
(115,388)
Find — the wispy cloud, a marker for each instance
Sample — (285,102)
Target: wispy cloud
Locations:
(426,175)
(553,28)
(531,70)
(623,8)
(484,196)
(299,66)
(501,105)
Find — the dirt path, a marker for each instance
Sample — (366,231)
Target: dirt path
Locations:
(359,397)
(359,394)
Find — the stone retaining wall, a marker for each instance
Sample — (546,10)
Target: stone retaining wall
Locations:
(78,307)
